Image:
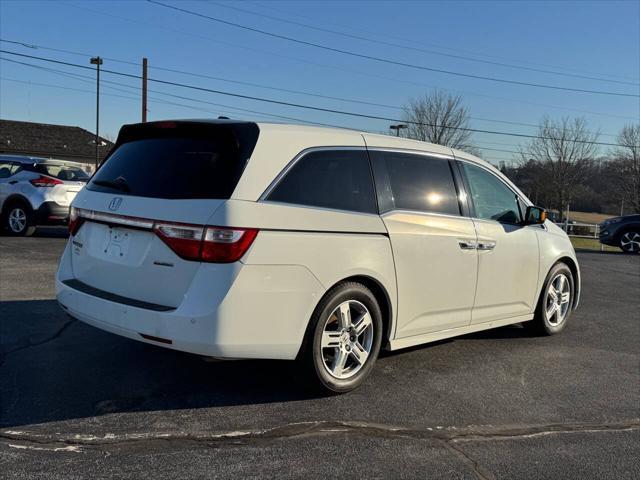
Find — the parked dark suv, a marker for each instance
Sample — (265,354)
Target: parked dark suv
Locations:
(623,232)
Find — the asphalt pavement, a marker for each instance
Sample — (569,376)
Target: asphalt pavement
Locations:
(76,402)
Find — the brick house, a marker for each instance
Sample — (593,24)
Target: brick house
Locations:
(51,141)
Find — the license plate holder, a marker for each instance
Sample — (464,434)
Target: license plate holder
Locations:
(116,244)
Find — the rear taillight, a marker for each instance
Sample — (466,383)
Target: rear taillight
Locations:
(226,245)
(44,181)
(192,242)
(185,240)
(75,221)
(206,244)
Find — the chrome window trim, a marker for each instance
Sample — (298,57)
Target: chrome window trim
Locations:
(312,207)
(420,212)
(296,159)
(423,153)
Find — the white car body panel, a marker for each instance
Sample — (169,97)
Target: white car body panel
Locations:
(260,306)
(436,278)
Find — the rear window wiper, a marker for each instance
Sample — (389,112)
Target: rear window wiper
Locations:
(118,184)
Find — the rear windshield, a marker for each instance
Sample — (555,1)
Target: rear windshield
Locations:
(177,161)
(62,172)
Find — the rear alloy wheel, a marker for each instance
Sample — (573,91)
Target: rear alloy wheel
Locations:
(630,242)
(18,221)
(347,339)
(344,338)
(555,303)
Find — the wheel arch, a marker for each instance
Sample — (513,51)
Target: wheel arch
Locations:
(384,301)
(573,266)
(631,227)
(16,198)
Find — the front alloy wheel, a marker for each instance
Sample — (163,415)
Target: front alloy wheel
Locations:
(555,303)
(558,297)
(630,242)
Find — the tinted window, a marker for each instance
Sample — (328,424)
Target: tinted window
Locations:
(491,198)
(62,172)
(5,169)
(176,160)
(420,183)
(330,179)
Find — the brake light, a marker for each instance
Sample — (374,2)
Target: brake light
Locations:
(185,240)
(75,221)
(192,242)
(44,181)
(226,245)
(206,244)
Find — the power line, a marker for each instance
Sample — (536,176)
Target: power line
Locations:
(295,105)
(252,84)
(387,60)
(191,107)
(353,71)
(228,107)
(441,47)
(417,49)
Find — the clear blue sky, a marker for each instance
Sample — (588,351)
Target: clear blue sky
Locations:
(594,38)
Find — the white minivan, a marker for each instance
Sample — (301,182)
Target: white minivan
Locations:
(255,240)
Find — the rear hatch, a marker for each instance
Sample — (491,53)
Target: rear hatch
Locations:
(162,180)
(64,178)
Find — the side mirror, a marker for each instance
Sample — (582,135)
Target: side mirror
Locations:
(535,216)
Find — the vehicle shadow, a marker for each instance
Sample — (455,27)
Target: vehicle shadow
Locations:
(509,331)
(51,232)
(598,252)
(54,368)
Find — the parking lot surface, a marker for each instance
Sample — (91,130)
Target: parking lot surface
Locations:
(76,402)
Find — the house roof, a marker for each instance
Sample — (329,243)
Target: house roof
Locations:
(46,140)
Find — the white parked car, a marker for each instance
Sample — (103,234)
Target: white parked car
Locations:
(244,240)
(37,191)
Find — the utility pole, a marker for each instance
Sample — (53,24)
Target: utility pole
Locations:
(144,90)
(97,61)
(397,128)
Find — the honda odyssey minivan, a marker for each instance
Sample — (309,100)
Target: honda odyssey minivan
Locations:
(254,240)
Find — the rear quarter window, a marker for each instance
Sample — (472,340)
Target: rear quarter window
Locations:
(336,179)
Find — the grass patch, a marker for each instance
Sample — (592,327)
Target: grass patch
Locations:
(588,217)
(591,244)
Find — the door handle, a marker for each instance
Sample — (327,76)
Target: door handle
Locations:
(467,244)
(486,245)
(13,182)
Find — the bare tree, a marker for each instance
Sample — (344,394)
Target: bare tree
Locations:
(627,162)
(439,118)
(564,150)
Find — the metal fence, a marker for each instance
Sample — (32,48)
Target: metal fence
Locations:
(582,230)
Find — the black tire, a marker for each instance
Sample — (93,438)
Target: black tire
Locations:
(22,210)
(311,360)
(629,241)
(541,323)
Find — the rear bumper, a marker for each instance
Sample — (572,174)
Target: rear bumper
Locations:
(51,213)
(257,311)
